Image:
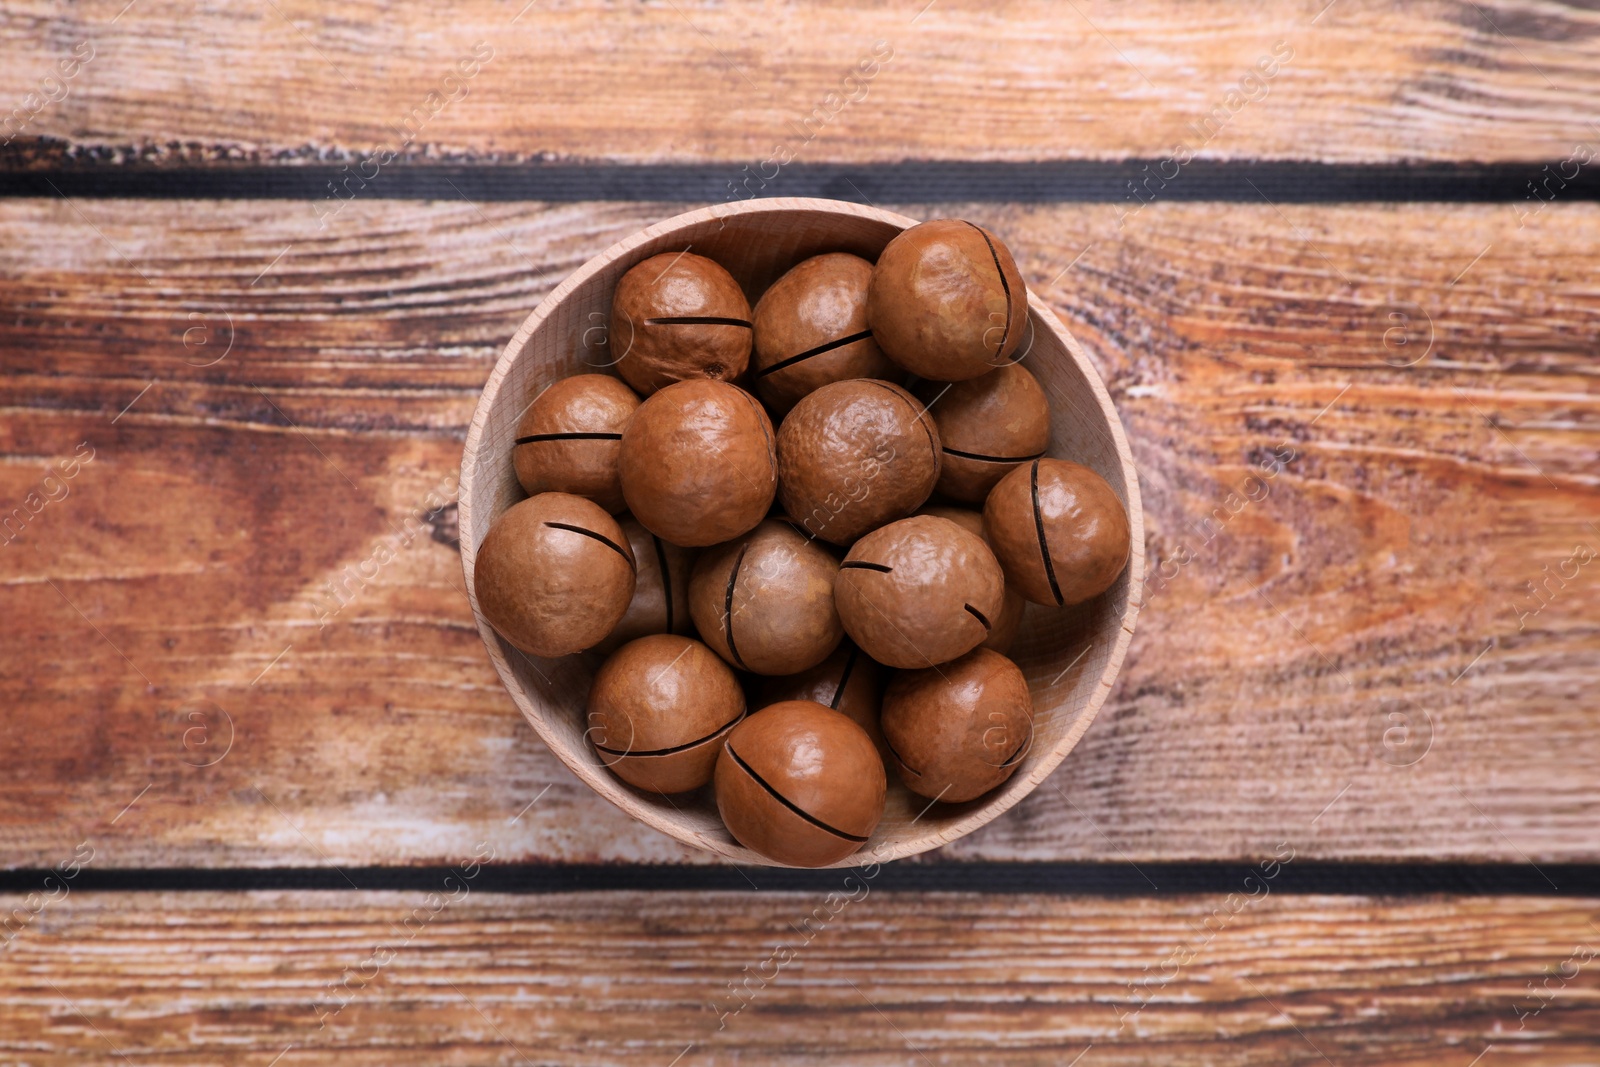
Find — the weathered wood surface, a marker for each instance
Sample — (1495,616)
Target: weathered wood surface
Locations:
(190,979)
(184,574)
(293,80)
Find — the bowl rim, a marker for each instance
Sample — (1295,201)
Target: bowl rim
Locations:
(609,787)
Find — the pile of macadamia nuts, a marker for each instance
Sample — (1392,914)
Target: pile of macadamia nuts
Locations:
(830,510)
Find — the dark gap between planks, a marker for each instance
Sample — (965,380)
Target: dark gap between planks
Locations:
(914,181)
(1052,879)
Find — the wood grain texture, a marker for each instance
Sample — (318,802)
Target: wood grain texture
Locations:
(184,574)
(941,979)
(292,81)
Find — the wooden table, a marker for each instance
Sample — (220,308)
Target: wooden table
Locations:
(263,800)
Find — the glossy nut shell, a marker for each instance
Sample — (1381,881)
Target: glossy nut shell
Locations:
(1003,630)
(677,317)
(569,438)
(811,330)
(800,783)
(658,711)
(848,681)
(959,731)
(988,427)
(855,455)
(1059,531)
(946,301)
(764,602)
(554,574)
(919,592)
(697,463)
(660,603)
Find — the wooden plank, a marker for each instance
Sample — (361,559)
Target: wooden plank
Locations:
(865,978)
(184,577)
(171,82)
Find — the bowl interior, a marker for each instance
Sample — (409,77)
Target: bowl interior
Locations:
(1070,657)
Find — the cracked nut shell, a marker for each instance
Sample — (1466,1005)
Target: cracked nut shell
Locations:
(919,592)
(988,427)
(1059,531)
(697,463)
(660,603)
(764,601)
(569,438)
(848,681)
(677,317)
(946,301)
(855,455)
(1003,630)
(800,783)
(811,330)
(959,731)
(554,574)
(659,709)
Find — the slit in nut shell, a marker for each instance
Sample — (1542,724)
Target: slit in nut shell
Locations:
(800,783)
(554,574)
(988,427)
(677,317)
(569,439)
(1059,531)
(959,731)
(764,602)
(946,301)
(811,330)
(918,592)
(658,710)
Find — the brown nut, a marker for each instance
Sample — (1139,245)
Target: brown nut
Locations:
(847,681)
(855,455)
(1004,629)
(697,464)
(988,427)
(660,603)
(959,731)
(811,329)
(659,709)
(946,301)
(1058,530)
(569,438)
(919,592)
(764,601)
(554,574)
(800,783)
(677,317)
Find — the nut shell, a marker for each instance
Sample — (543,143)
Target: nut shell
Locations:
(658,710)
(764,602)
(848,681)
(1003,630)
(569,439)
(554,574)
(959,731)
(677,317)
(811,330)
(855,455)
(660,603)
(946,301)
(697,464)
(919,592)
(1059,531)
(800,783)
(988,427)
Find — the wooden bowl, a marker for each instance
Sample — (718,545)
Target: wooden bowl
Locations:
(1070,657)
